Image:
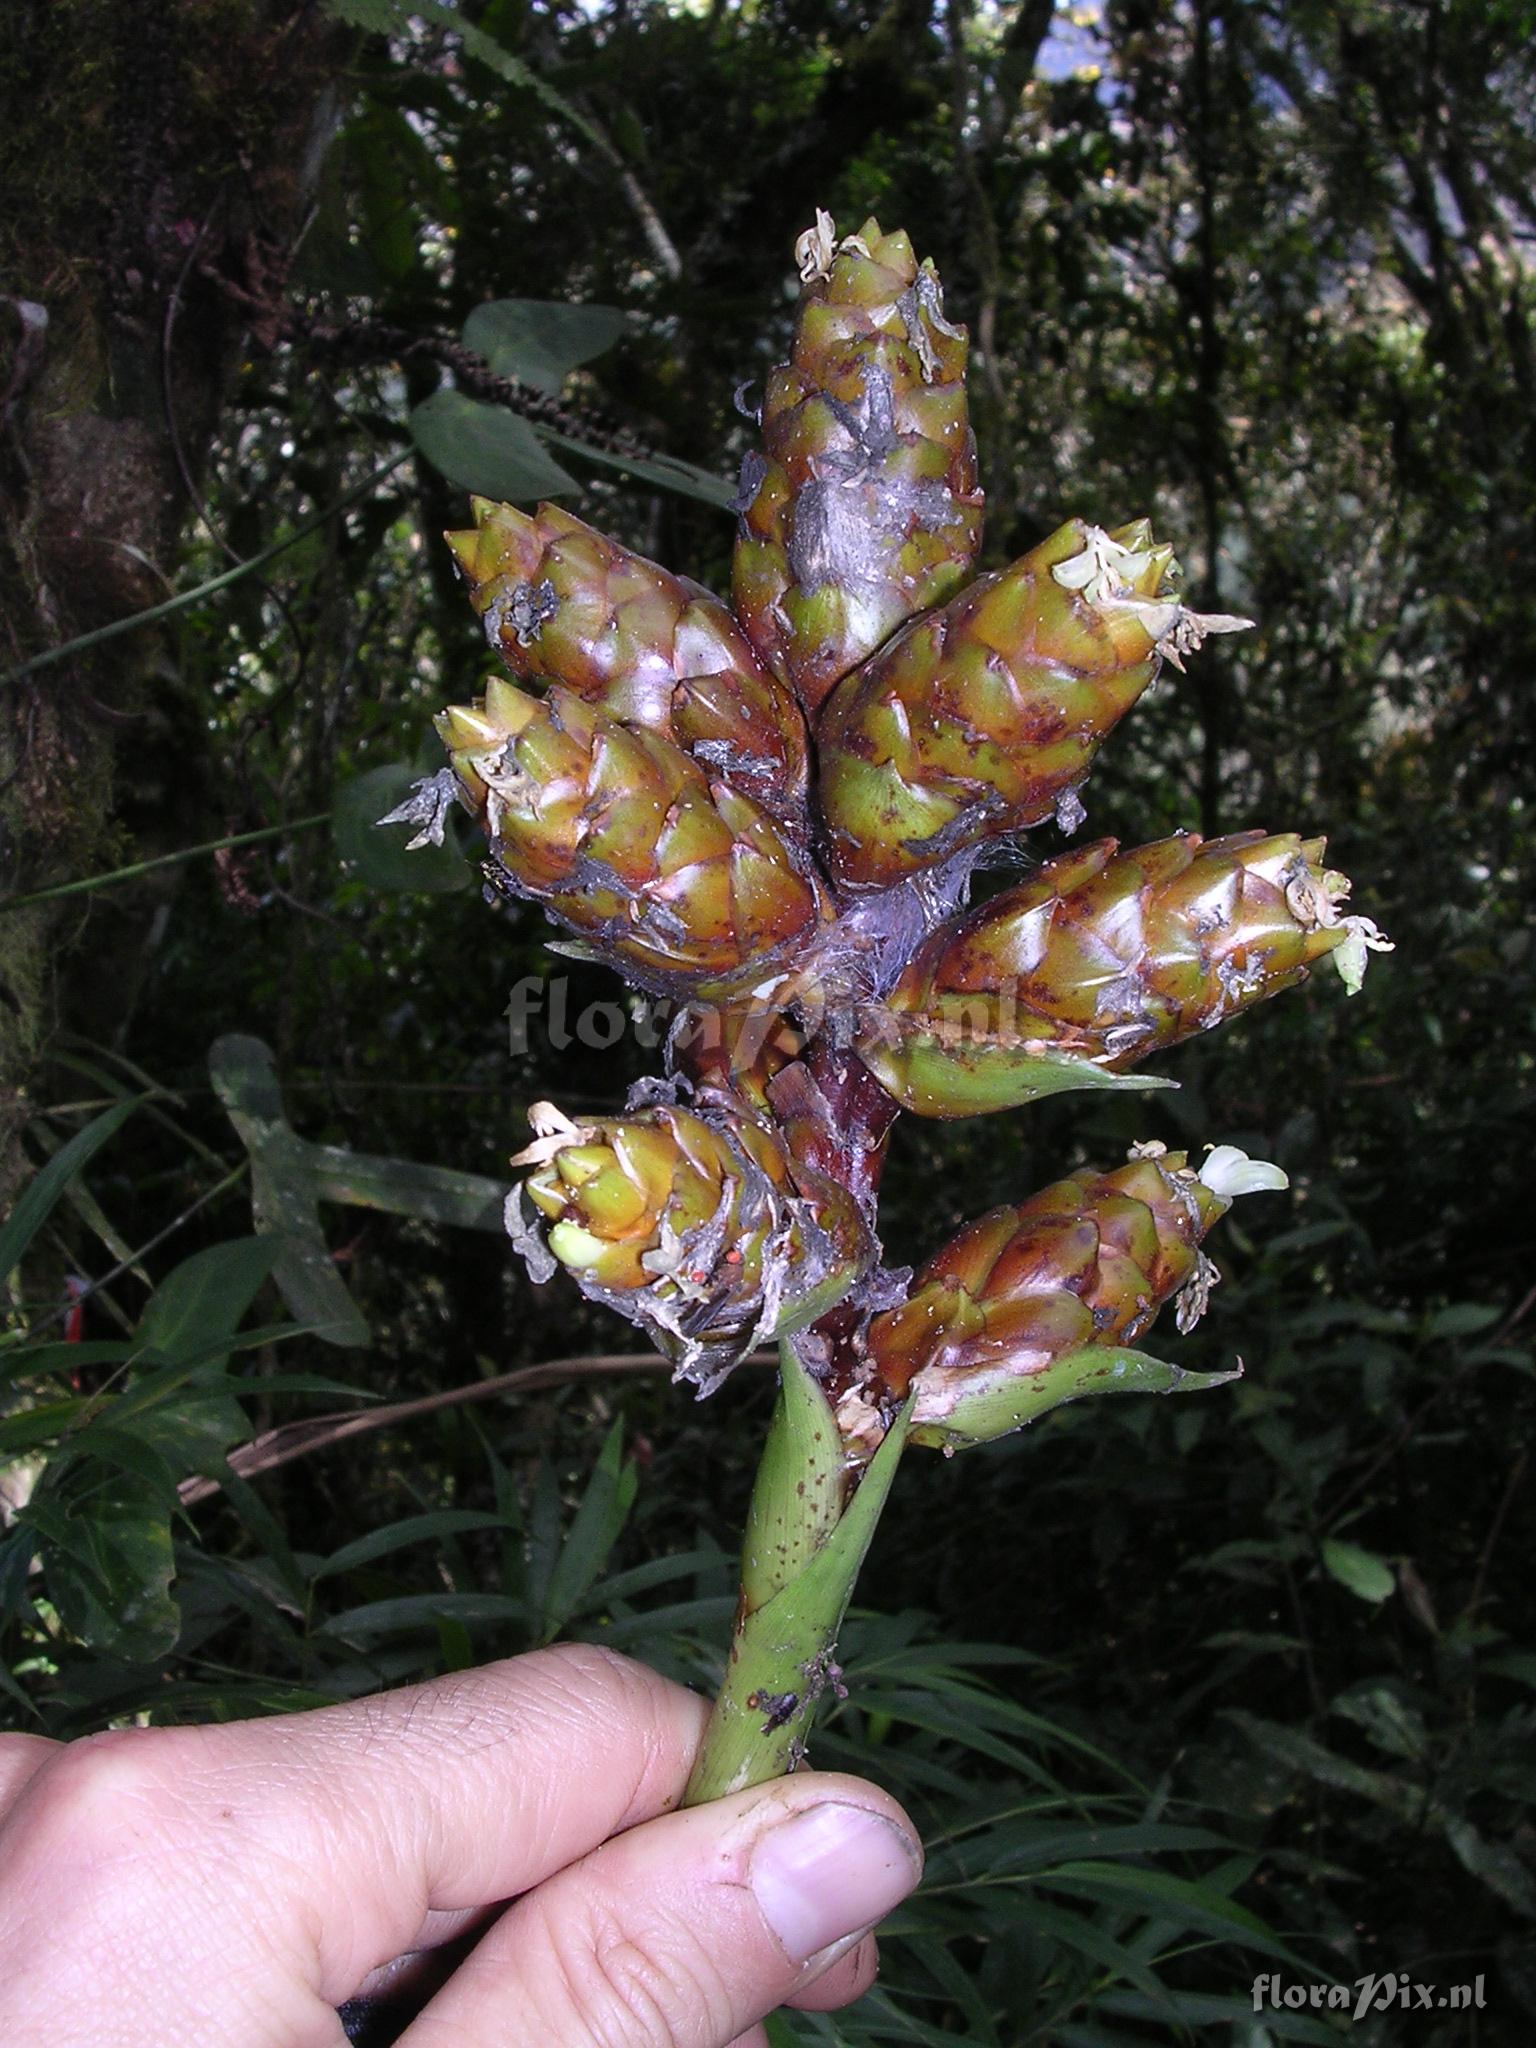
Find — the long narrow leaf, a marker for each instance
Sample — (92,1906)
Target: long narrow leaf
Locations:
(49,1183)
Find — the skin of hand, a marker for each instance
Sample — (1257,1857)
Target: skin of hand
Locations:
(235,1884)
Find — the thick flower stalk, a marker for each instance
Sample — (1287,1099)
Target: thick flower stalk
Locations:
(627,840)
(1103,958)
(984,717)
(862,507)
(562,603)
(690,1225)
(644,779)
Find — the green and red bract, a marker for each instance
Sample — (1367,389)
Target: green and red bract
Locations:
(862,507)
(644,779)
(629,841)
(984,717)
(691,1225)
(562,603)
(1099,960)
(1045,1302)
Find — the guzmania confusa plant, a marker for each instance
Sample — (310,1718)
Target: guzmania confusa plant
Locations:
(771,812)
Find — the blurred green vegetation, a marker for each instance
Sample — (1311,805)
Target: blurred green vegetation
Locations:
(1180,1692)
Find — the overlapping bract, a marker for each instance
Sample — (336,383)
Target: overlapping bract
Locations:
(690,1224)
(1100,959)
(863,507)
(1043,1303)
(649,789)
(626,839)
(562,603)
(984,717)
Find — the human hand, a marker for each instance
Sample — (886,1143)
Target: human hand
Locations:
(229,1887)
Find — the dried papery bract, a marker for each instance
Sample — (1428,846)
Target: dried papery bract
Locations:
(644,780)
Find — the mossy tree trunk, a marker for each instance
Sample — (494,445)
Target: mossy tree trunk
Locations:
(154,161)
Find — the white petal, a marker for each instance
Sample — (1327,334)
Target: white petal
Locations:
(1350,958)
(1228,1172)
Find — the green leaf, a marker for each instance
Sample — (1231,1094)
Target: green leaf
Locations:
(797,1495)
(48,1184)
(540,341)
(398,1535)
(108,1562)
(1191,1903)
(419,1610)
(1360,1572)
(931,1074)
(1519,1665)
(667,472)
(1495,1865)
(383,857)
(486,449)
(204,1301)
(1462,1319)
(1007,1401)
(604,1509)
(377,17)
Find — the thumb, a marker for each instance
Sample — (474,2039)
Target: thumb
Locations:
(686,1931)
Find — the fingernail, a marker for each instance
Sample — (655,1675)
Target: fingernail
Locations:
(830,1872)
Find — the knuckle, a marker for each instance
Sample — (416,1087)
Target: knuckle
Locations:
(94,1812)
(103,1787)
(629,1991)
(592,1666)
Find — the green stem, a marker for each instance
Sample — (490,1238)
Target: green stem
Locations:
(807,1535)
(161,860)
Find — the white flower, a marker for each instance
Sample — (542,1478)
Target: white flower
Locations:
(1228,1172)
(553,1132)
(1350,958)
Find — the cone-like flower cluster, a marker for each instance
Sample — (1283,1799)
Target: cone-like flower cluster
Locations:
(1099,960)
(628,840)
(984,717)
(1043,1303)
(562,603)
(862,508)
(690,1225)
(645,780)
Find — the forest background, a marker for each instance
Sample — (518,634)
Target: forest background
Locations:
(1181,1692)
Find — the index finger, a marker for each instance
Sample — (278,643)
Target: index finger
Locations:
(349,1824)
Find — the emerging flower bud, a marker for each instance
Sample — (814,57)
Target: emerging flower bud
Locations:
(563,603)
(1040,1304)
(984,718)
(1099,960)
(690,1225)
(627,841)
(863,508)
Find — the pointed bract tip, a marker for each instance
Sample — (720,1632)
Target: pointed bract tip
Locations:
(464,546)
(508,707)
(464,730)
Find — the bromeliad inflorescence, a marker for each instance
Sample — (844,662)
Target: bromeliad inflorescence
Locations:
(771,812)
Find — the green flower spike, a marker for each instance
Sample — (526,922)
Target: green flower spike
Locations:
(1044,1303)
(1101,959)
(863,507)
(984,718)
